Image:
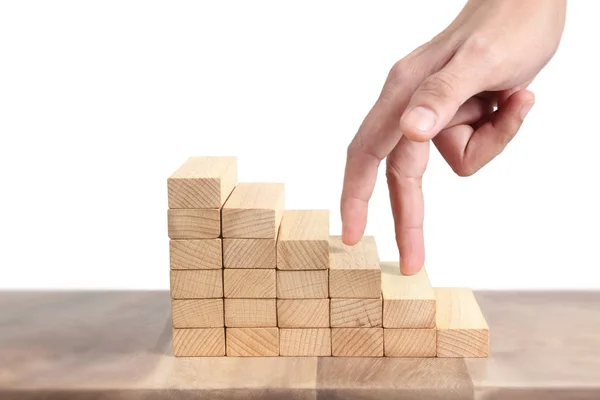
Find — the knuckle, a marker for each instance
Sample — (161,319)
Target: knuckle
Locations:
(482,48)
(463,169)
(399,71)
(441,85)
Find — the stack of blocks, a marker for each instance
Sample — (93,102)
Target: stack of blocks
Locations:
(249,278)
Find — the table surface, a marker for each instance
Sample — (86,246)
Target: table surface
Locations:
(544,345)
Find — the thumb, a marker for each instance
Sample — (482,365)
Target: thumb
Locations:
(436,101)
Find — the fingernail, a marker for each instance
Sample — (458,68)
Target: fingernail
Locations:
(525,109)
(420,118)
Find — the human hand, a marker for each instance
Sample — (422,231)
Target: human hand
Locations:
(447,90)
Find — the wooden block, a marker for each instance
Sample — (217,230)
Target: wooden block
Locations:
(249,283)
(203,342)
(303,313)
(250,313)
(357,342)
(249,253)
(305,342)
(197,284)
(409,342)
(253,211)
(203,313)
(356,313)
(302,284)
(194,224)
(202,182)
(252,342)
(196,254)
(461,327)
(408,301)
(303,241)
(354,271)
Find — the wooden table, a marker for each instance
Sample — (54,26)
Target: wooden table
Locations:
(63,345)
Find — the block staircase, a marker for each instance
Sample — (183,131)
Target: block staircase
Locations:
(249,278)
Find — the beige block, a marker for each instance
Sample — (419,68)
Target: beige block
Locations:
(253,211)
(203,313)
(408,301)
(357,342)
(194,223)
(409,342)
(249,253)
(461,327)
(315,342)
(196,254)
(303,313)
(203,342)
(202,182)
(197,284)
(250,313)
(302,284)
(303,242)
(354,271)
(249,283)
(252,342)
(356,313)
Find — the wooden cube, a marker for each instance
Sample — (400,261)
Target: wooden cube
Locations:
(303,313)
(354,271)
(196,254)
(202,182)
(315,342)
(202,313)
(302,284)
(197,284)
(356,313)
(357,342)
(249,253)
(303,242)
(250,313)
(204,342)
(409,342)
(252,342)
(194,223)
(249,283)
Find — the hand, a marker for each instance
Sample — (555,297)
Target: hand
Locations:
(447,90)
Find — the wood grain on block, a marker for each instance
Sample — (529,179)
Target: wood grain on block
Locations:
(198,313)
(201,342)
(253,211)
(303,313)
(250,313)
(249,253)
(314,342)
(196,254)
(409,342)
(356,313)
(202,182)
(302,284)
(194,224)
(303,241)
(408,301)
(197,284)
(354,271)
(357,342)
(252,342)
(249,283)
(461,327)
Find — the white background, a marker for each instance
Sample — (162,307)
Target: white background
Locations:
(101,101)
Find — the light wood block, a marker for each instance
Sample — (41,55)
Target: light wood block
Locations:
(197,284)
(249,283)
(357,342)
(303,241)
(250,313)
(356,313)
(203,313)
(302,284)
(203,342)
(196,254)
(194,224)
(253,211)
(461,327)
(252,342)
(202,182)
(408,301)
(315,342)
(354,271)
(303,313)
(409,342)
(249,253)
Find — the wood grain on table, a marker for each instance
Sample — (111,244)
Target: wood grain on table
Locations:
(65,345)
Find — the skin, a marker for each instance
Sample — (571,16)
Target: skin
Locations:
(465,90)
